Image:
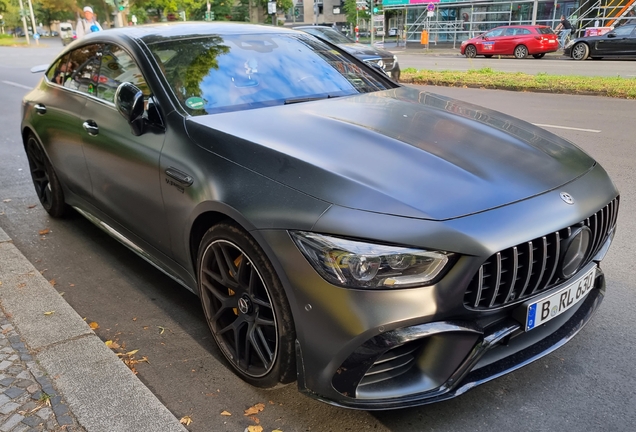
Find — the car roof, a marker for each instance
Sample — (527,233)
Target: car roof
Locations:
(150,33)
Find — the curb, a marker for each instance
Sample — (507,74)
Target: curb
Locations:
(101,392)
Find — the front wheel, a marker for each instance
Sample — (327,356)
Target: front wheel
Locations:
(521,52)
(538,56)
(470,51)
(580,51)
(47,186)
(245,306)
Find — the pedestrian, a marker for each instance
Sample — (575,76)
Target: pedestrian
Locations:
(88,24)
(565,28)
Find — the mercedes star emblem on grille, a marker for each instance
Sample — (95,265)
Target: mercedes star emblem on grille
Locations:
(567,198)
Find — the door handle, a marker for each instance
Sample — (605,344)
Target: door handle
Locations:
(180,176)
(40,109)
(91,127)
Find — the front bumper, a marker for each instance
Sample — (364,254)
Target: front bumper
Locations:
(497,350)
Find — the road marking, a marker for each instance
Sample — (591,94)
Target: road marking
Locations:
(566,127)
(17,85)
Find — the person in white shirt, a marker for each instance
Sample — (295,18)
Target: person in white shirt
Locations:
(88,24)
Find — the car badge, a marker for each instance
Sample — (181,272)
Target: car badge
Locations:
(567,198)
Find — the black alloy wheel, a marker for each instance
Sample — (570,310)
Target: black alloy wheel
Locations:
(246,307)
(521,52)
(470,51)
(538,56)
(580,51)
(47,186)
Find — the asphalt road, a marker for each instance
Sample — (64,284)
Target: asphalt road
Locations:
(586,385)
(447,59)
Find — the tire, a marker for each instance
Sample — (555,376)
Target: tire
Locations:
(580,51)
(521,51)
(538,56)
(47,186)
(470,51)
(245,307)
(488,55)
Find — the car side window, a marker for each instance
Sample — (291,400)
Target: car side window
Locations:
(524,32)
(118,67)
(509,32)
(58,72)
(494,33)
(83,69)
(623,31)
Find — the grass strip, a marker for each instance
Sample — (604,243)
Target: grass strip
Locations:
(616,87)
(11,42)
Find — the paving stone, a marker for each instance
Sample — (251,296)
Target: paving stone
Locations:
(7,381)
(13,358)
(37,395)
(14,370)
(6,326)
(4,399)
(24,375)
(64,420)
(5,364)
(23,383)
(44,413)
(13,392)
(21,428)
(33,388)
(6,350)
(32,421)
(29,406)
(11,423)
(9,408)
(26,357)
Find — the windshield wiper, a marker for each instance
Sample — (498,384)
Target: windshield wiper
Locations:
(307,99)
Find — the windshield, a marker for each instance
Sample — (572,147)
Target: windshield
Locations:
(217,74)
(329,34)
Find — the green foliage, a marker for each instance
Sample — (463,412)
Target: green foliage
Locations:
(47,11)
(241,11)
(487,78)
(350,8)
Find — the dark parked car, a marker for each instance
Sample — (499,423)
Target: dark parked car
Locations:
(382,58)
(382,245)
(519,41)
(619,42)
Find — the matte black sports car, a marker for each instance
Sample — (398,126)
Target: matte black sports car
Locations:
(376,56)
(619,42)
(383,246)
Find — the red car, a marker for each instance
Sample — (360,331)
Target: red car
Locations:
(518,41)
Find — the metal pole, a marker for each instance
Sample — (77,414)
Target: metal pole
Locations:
(372,22)
(24,24)
(315,12)
(35,28)
(535,6)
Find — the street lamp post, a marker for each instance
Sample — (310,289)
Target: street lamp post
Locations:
(24,24)
(35,29)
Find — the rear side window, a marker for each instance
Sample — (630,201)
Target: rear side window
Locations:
(545,30)
(523,32)
(58,73)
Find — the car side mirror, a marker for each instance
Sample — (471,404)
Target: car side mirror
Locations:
(129,101)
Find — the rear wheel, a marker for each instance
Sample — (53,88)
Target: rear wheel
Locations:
(521,51)
(538,56)
(580,51)
(245,306)
(47,186)
(470,51)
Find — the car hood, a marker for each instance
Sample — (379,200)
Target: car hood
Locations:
(403,152)
(366,50)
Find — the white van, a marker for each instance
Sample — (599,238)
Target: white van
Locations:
(66,33)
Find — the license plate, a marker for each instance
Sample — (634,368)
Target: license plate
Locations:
(552,41)
(547,308)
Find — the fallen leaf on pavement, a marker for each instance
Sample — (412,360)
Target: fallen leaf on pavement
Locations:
(277,430)
(71,285)
(162,329)
(0,282)
(6,200)
(186,420)
(108,343)
(145,327)
(52,282)
(62,293)
(254,428)
(44,231)
(32,206)
(255,409)
(49,313)
(21,285)
(135,319)
(133,352)
(226,413)
(254,419)
(93,325)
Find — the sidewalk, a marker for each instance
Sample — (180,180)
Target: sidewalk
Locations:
(55,373)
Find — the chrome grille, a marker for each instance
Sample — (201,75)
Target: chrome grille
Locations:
(529,268)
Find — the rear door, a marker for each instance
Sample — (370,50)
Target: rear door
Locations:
(616,42)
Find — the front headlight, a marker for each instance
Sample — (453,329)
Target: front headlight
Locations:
(356,264)
(569,44)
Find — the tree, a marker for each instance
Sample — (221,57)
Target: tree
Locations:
(52,10)
(352,12)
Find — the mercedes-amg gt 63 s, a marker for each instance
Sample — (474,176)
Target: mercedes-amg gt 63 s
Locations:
(381,245)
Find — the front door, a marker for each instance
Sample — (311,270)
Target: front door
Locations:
(124,168)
